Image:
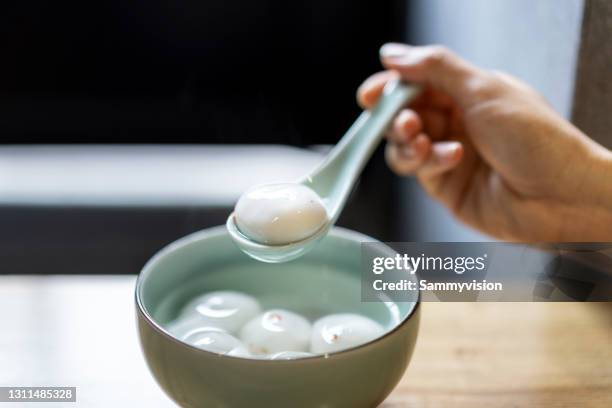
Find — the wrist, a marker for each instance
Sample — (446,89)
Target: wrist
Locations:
(601,179)
(587,213)
(593,219)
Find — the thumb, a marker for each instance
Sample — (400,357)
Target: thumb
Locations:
(435,66)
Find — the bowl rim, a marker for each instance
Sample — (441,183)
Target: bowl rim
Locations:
(343,233)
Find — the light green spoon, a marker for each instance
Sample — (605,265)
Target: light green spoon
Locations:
(334,179)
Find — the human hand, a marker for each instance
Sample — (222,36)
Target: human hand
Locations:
(491,150)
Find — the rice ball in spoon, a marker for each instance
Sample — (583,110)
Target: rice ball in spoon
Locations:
(278,214)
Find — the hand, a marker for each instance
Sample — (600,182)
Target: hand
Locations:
(491,150)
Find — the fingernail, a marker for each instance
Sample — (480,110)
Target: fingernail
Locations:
(393,51)
(447,151)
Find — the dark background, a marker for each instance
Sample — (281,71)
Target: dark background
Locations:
(203,71)
(180,71)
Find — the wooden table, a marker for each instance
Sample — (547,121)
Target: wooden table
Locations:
(79,331)
(510,355)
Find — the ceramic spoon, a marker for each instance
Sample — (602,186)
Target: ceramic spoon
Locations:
(334,179)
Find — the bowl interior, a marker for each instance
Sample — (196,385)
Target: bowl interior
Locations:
(325,280)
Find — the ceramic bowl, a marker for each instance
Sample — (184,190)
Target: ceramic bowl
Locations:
(325,280)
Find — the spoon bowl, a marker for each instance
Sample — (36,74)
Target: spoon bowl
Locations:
(273,253)
(334,179)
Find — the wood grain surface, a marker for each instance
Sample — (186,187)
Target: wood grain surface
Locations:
(510,355)
(80,331)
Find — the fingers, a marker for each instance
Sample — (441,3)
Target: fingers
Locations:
(448,79)
(405,159)
(415,137)
(405,127)
(432,65)
(444,157)
(370,90)
(435,122)
(410,122)
(421,157)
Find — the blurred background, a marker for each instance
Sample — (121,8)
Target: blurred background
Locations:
(125,125)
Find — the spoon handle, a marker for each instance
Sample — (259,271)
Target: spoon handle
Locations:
(334,178)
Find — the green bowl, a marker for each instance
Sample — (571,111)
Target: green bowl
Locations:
(325,280)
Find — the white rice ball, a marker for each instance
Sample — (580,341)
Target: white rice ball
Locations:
(275,331)
(277,214)
(342,331)
(226,310)
(216,342)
